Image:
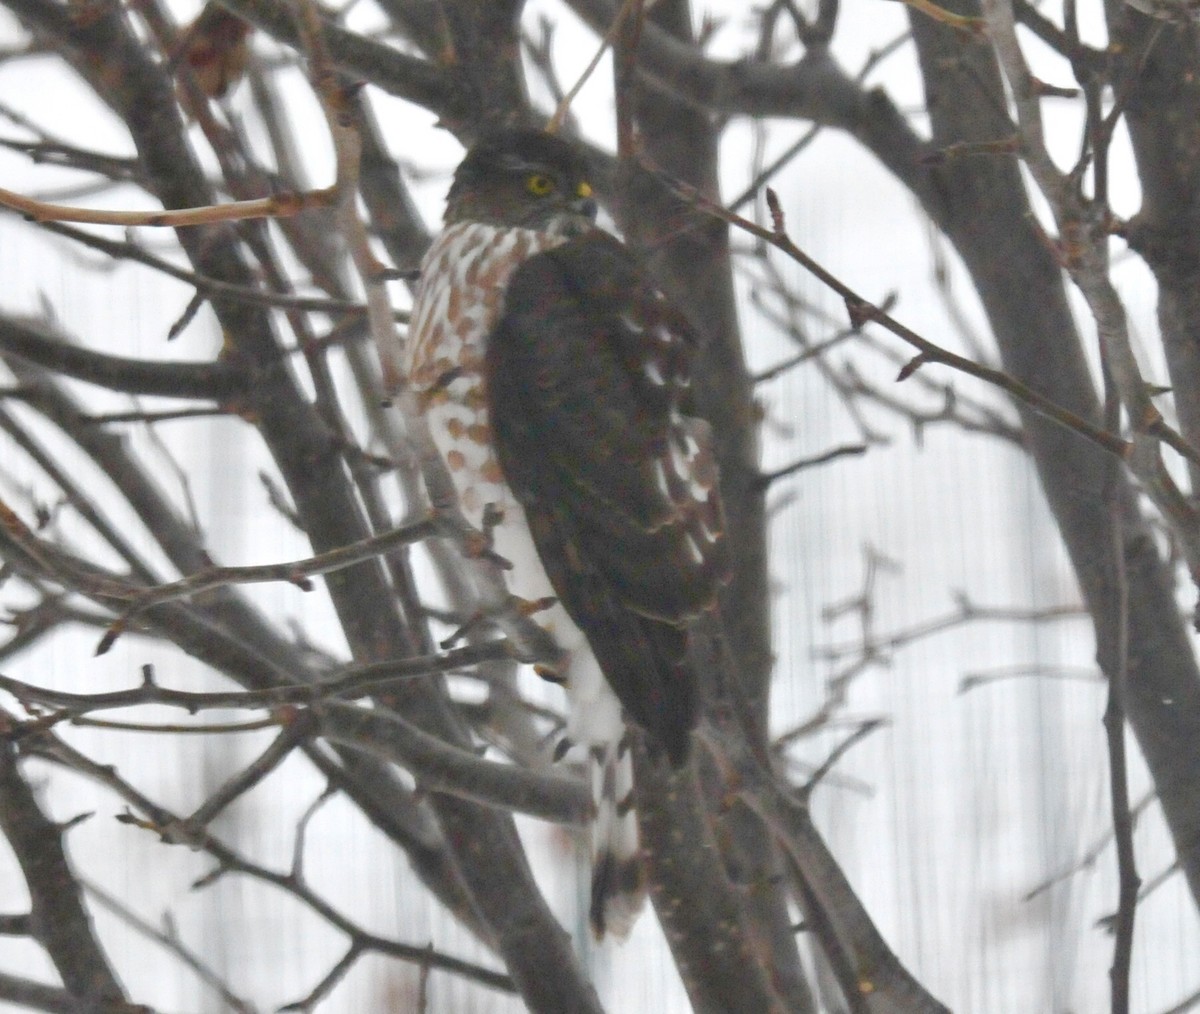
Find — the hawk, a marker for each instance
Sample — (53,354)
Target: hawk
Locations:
(555,380)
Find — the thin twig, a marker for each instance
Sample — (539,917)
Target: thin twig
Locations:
(966,611)
(275,206)
(811,352)
(331,978)
(610,37)
(169,415)
(299,726)
(863,311)
(168,938)
(351,683)
(301,833)
(128,250)
(970,26)
(862,732)
(205,729)
(1114,718)
(296,572)
(974,680)
(766,479)
(1091,854)
(174,829)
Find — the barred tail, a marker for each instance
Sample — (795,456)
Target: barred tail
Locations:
(618,882)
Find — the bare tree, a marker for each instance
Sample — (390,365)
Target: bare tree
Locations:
(425,721)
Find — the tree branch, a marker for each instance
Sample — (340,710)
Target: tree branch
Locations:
(36,343)
(419,81)
(60,922)
(296,572)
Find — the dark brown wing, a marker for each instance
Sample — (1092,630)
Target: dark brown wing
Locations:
(587,380)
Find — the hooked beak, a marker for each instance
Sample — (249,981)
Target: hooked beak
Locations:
(585,207)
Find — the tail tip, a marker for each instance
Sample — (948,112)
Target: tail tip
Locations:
(618,894)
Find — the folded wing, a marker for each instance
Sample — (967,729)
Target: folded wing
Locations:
(587,385)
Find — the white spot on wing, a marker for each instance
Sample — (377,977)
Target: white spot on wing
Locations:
(630,324)
(687,455)
(660,478)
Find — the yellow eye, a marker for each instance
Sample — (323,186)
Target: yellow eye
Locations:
(583,190)
(539,186)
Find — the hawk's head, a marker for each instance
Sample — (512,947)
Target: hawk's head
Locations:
(523,178)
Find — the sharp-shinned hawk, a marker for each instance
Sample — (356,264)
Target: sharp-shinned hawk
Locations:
(555,378)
